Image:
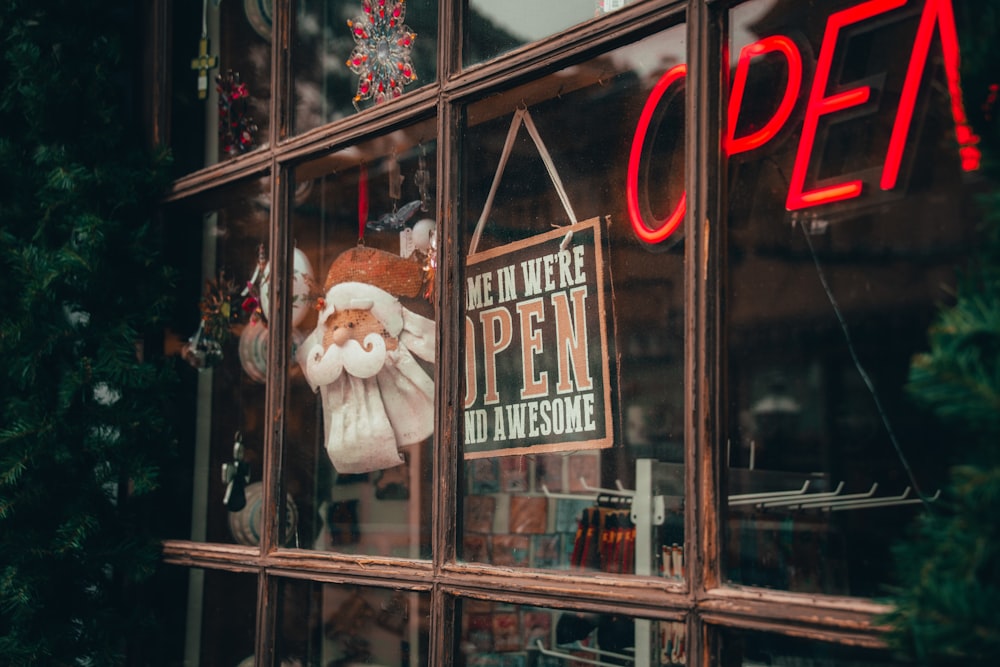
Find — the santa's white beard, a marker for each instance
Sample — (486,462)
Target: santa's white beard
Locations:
(363,361)
(367,416)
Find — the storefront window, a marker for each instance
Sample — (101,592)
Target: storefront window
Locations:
(350,55)
(327,624)
(474,451)
(849,213)
(495,634)
(573,434)
(219,340)
(494,28)
(221,81)
(360,400)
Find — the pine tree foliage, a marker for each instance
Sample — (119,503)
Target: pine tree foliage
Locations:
(947,600)
(83,433)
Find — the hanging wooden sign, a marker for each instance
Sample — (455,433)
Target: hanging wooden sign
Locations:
(537,369)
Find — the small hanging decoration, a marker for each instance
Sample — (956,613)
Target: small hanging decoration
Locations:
(425,244)
(204,348)
(260,15)
(202,351)
(362,201)
(381,56)
(217,311)
(257,304)
(422,179)
(399,215)
(236,476)
(204,61)
(245,524)
(608,6)
(252,293)
(237,130)
(396,219)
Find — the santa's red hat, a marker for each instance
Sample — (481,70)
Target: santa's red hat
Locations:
(369,279)
(391,273)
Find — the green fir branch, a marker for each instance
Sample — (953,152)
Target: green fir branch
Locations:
(78,477)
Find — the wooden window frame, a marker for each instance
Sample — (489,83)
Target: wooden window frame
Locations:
(702,600)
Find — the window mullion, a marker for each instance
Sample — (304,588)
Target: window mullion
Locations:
(701,367)
(449,342)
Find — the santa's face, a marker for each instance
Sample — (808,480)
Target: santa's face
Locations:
(355,342)
(354,324)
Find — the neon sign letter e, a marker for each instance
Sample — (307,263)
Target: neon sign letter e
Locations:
(820,105)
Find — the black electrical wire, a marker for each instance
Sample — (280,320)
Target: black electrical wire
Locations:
(861,370)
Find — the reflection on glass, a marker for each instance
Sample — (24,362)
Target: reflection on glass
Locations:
(499,635)
(325,624)
(205,617)
(360,408)
(494,28)
(337,45)
(831,289)
(219,339)
(572,422)
(758,649)
(221,81)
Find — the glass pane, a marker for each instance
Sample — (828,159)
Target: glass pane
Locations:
(495,27)
(326,624)
(847,221)
(757,649)
(360,401)
(337,45)
(204,617)
(495,634)
(216,242)
(574,335)
(221,81)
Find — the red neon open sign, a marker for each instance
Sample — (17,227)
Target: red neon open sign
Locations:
(936,14)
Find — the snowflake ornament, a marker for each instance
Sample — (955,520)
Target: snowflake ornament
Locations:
(381,56)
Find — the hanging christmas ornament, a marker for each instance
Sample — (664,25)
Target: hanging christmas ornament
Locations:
(236,476)
(237,130)
(362,201)
(395,179)
(419,243)
(608,6)
(376,397)
(253,350)
(204,61)
(395,219)
(204,349)
(253,293)
(245,524)
(259,14)
(302,288)
(422,179)
(425,249)
(217,313)
(381,56)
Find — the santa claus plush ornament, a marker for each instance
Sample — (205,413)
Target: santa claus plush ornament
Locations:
(376,396)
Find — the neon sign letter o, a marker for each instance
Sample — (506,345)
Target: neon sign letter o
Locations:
(671,222)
